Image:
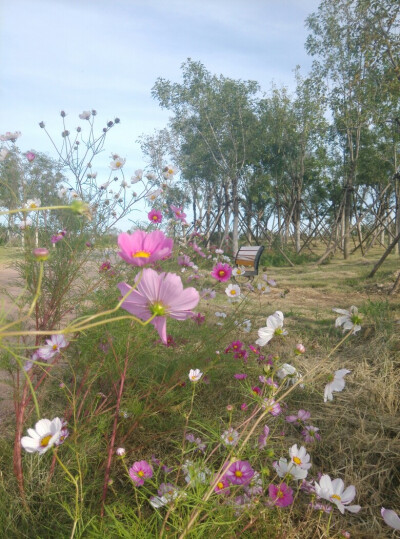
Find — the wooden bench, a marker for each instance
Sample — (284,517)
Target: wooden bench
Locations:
(249,257)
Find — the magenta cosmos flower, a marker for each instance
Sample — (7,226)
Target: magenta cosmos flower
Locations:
(140,471)
(178,213)
(281,495)
(140,248)
(221,272)
(155,216)
(239,473)
(161,295)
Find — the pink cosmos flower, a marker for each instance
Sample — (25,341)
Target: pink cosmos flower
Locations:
(161,295)
(239,473)
(281,495)
(235,346)
(178,213)
(310,434)
(30,156)
(275,407)
(262,439)
(256,390)
(105,266)
(301,417)
(243,406)
(185,261)
(240,376)
(140,248)
(198,250)
(222,487)
(140,471)
(52,347)
(155,216)
(222,272)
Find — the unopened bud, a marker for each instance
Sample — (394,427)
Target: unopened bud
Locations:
(62,114)
(117,120)
(65,133)
(300,349)
(41,253)
(41,124)
(110,123)
(120,451)
(229,408)
(79,129)
(94,112)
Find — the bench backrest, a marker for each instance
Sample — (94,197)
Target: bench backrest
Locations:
(249,257)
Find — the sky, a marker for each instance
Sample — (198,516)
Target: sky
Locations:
(77,55)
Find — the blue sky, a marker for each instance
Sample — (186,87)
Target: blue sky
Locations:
(106,54)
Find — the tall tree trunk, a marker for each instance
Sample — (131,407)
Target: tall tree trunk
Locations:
(347,218)
(235,231)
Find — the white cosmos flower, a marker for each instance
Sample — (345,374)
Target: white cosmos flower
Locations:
(33,203)
(230,436)
(25,224)
(232,291)
(153,195)
(85,115)
(336,383)
(117,163)
(334,492)
(300,457)
(52,347)
(391,518)
(274,327)
(288,371)
(139,173)
(245,325)
(3,154)
(169,171)
(158,501)
(284,469)
(10,136)
(349,319)
(195,375)
(240,270)
(263,288)
(220,315)
(45,434)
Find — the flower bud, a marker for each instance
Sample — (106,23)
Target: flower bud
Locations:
(229,408)
(63,114)
(94,112)
(300,349)
(65,133)
(110,123)
(117,120)
(120,451)
(79,129)
(104,129)
(41,253)
(41,124)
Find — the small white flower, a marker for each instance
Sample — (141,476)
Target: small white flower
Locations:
(274,327)
(232,291)
(300,457)
(150,176)
(120,451)
(288,371)
(10,136)
(169,171)
(158,501)
(53,346)
(220,315)
(349,320)
(195,375)
(230,436)
(285,469)
(85,115)
(117,163)
(25,224)
(33,203)
(45,434)
(334,492)
(263,289)
(219,251)
(245,325)
(336,383)
(240,270)
(3,154)
(139,173)
(153,195)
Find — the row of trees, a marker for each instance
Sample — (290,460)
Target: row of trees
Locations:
(319,162)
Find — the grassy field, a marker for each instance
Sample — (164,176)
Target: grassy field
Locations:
(360,429)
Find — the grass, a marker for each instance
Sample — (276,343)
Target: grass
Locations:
(360,429)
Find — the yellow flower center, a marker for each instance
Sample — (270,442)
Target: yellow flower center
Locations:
(221,273)
(238,473)
(230,438)
(158,309)
(44,442)
(155,217)
(141,473)
(296,460)
(118,164)
(278,331)
(280,494)
(54,347)
(141,254)
(336,497)
(233,292)
(220,485)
